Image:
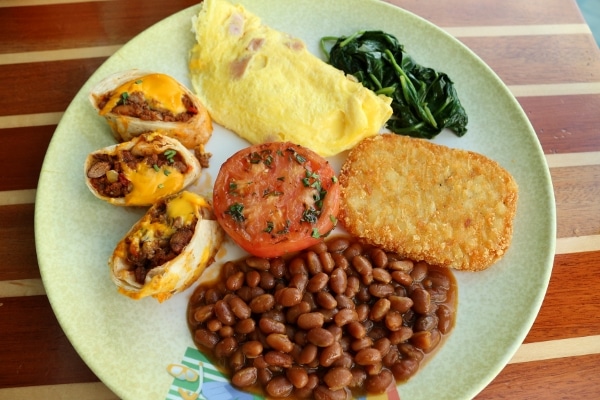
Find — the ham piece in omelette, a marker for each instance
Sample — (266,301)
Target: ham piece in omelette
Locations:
(265,86)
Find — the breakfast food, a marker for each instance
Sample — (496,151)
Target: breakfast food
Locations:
(276,198)
(266,86)
(336,321)
(448,207)
(140,171)
(134,102)
(167,249)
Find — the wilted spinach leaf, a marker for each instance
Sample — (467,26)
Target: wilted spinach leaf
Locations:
(424,101)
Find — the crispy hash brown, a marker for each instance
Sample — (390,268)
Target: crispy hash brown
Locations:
(448,207)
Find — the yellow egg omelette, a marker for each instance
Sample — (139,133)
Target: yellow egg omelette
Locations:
(265,86)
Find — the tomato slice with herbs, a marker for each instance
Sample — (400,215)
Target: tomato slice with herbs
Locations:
(276,198)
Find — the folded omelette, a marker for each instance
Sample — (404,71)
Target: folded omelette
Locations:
(265,86)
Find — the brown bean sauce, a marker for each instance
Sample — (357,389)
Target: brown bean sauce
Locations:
(338,320)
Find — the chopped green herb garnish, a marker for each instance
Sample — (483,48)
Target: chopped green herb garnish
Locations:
(138,81)
(166,172)
(236,211)
(160,186)
(170,154)
(315,233)
(269,227)
(310,215)
(156,167)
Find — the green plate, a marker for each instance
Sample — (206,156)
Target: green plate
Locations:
(130,344)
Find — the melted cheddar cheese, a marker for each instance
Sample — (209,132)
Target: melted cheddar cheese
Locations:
(161,92)
(149,183)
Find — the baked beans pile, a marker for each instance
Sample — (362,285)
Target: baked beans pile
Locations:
(338,320)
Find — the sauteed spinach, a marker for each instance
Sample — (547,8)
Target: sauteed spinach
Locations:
(424,101)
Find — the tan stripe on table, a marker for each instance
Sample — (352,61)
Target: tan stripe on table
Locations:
(88,391)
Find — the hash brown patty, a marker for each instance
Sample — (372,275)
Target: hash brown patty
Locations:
(449,207)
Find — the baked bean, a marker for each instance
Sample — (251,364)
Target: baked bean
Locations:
(206,338)
(426,340)
(245,326)
(426,323)
(226,347)
(393,321)
(445,318)
(338,281)
(252,278)
(245,377)
(401,335)
(330,354)
(404,369)
(308,354)
(298,376)
(319,248)
(299,281)
(383,345)
(326,300)
(353,250)
(295,311)
(262,303)
(340,261)
(362,311)
(363,343)
(419,271)
(279,387)
(277,267)
(368,356)
(214,325)
(356,329)
(358,377)
(252,349)
(313,263)
(337,378)
(380,309)
(237,360)
(306,392)
(327,262)
(259,263)
(346,360)
(320,337)
(235,281)
(239,307)
(421,301)
(322,392)
(226,331)
(378,257)
(341,315)
(345,316)
(204,313)
(400,303)
(402,278)
(344,301)
(381,289)
(267,280)
(310,320)
(380,382)
(338,245)
(317,282)
(401,265)
(352,287)
(269,325)
(288,296)
(278,359)
(362,265)
(280,341)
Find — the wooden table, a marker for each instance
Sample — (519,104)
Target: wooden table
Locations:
(543,51)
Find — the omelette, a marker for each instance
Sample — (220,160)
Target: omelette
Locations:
(265,85)
(449,207)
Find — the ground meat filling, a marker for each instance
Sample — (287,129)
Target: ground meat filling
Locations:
(106,171)
(135,105)
(145,255)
